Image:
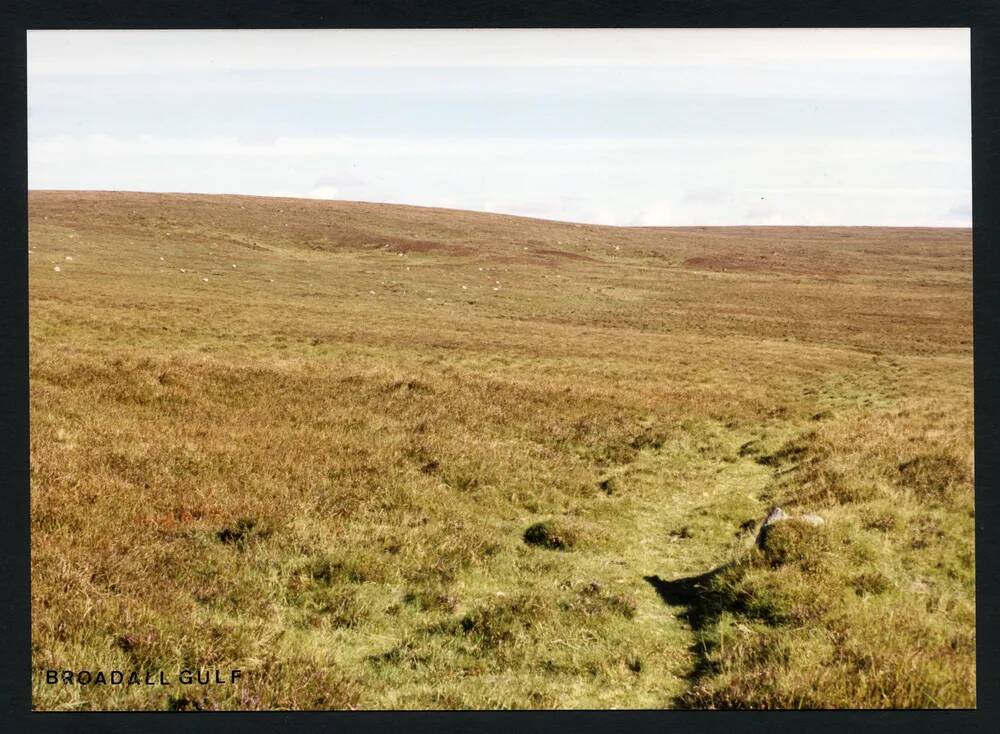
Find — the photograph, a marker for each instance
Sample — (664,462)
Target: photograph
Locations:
(493,368)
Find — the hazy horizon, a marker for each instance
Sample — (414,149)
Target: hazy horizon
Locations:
(504,214)
(623,127)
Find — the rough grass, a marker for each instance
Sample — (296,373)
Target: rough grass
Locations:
(366,486)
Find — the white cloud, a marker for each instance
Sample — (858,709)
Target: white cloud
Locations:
(645,181)
(915,149)
(324,192)
(655,215)
(605,181)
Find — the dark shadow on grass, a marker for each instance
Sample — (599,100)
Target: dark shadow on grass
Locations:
(703,605)
(693,592)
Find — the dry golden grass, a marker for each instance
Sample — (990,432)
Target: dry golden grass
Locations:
(335,444)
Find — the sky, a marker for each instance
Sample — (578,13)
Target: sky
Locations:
(623,127)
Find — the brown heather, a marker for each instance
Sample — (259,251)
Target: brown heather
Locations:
(397,457)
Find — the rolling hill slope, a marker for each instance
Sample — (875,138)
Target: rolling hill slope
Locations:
(381,456)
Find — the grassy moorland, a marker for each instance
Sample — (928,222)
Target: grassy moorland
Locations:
(393,457)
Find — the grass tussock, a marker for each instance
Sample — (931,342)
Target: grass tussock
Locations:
(558,534)
(787,624)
